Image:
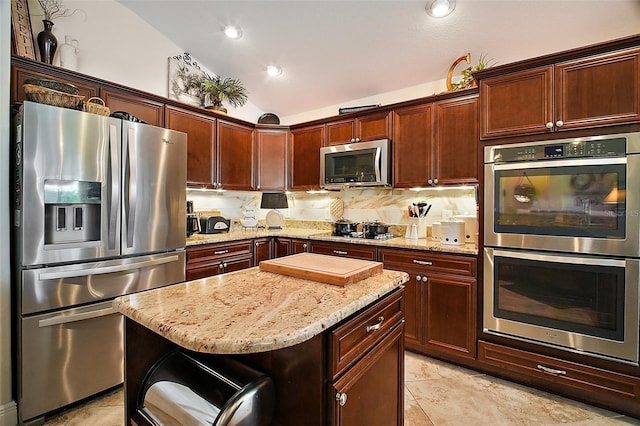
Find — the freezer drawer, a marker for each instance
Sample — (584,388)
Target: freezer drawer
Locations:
(65,286)
(68,355)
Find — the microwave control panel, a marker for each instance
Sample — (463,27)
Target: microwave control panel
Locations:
(615,147)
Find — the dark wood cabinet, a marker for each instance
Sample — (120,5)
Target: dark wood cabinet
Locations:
(361,129)
(412,146)
(356,251)
(148,110)
(271,148)
(581,93)
(287,246)
(262,249)
(436,143)
(366,357)
(235,156)
(19,75)
(201,143)
(456,141)
(305,157)
(212,259)
(440,308)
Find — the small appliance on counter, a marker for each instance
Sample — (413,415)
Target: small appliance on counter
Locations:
(214,225)
(193,223)
(452,232)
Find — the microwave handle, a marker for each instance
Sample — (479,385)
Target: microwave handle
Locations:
(378,164)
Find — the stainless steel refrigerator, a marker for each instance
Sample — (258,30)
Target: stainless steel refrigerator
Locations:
(98,212)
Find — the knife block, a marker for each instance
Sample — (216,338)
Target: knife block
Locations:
(416,228)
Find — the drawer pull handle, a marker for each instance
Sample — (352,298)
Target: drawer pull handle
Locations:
(221,252)
(551,370)
(341,397)
(422,262)
(341,252)
(375,326)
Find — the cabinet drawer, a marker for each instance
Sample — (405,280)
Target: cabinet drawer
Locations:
(575,379)
(351,340)
(441,263)
(345,250)
(212,252)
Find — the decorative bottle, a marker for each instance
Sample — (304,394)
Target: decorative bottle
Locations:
(69,53)
(47,42)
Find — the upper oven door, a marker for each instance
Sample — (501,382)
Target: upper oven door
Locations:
(568,205)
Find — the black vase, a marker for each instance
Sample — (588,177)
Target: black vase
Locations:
(47,42)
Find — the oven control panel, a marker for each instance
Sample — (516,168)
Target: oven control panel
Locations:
(615,147)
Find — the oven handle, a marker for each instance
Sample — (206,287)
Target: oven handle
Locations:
(559,163)
(76,317)
(559,258)
(106,269)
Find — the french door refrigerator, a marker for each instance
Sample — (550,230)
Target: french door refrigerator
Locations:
(98,212)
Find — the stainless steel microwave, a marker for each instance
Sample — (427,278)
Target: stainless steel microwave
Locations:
(359,164)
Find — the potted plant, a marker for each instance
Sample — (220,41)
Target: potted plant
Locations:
(217,90)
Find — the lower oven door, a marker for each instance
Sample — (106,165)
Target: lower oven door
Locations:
(68,355)
(586,304)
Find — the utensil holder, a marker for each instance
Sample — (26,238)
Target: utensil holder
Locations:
(416,228)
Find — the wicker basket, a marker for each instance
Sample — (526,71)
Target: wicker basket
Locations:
(96,108)
(44,95)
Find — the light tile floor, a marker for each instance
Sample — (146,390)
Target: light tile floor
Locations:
(436,393)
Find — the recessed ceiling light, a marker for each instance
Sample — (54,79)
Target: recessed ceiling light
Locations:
(440,8)
(274,70)
(232,32)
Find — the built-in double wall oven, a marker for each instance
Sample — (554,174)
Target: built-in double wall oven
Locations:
(562,244)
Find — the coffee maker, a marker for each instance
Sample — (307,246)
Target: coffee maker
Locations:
(193,224)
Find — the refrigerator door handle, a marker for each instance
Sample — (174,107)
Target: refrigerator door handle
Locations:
(106,269)
(114,182)
(75,317)
(131,185)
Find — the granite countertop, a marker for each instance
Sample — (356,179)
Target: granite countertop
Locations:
(426,244)
(251,310)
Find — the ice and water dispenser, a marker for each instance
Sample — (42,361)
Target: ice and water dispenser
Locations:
(71,211)
(182,390)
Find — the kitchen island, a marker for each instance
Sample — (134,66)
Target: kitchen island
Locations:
(318,342)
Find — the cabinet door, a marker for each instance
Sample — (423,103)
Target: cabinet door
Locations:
(376,384)
(19,75)
(147,110)
(450,312)
(412,146)
(341,132)
(272,159)
(305,157)
(456,143)
(281,247)
(373,126)
(519,103)
(235,156)
(203,270)
(201,142)
(299,246)
(598,91)
(261,250)
(237,264)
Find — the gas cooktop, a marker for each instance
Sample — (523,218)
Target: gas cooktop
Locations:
(362,235)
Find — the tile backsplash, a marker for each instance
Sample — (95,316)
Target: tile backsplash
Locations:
(359,205)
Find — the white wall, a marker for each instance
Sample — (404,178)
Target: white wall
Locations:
(8,415)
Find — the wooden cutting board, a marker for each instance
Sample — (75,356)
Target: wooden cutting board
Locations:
(323,268)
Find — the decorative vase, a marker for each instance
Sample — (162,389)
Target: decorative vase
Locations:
(68,53)
(217,108)
(47,42)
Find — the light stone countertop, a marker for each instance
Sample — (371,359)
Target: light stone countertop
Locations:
(426,244)
(250,310)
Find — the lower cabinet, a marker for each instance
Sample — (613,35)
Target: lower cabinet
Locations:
(212,259)
(440,301)
(287,246)
(261,250)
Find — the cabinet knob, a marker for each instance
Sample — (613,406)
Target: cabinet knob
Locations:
(220,266)
(418,278)
(430,181)
(352,140)
(435,181)
(425,279)
(357,139)
(559,123)
(304,246)
(341,397)
(549,125)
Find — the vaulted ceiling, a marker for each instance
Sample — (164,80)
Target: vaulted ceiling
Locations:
(333,52)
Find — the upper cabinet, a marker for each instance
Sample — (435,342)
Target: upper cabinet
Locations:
(148,110)
(19,75)
(366,128)
(305,157)
(201,144)
(579,93)
(235,156)
(271,149)
(436,143)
